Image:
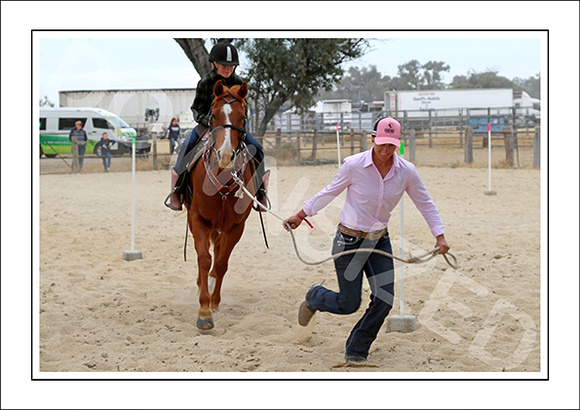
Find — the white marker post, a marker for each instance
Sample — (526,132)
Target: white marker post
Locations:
(401,322)
(132,254)
(489,191)
(338,144)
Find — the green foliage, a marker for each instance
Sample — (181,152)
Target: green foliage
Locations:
(531,85)
(361,84)
(432,75)
(488,79)
(295,70)
(369,85)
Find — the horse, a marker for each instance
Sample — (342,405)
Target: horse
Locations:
(215,216)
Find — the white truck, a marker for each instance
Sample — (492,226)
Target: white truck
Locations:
(448,102)
(336,112)
(500,104)
(443,103)
(527,108)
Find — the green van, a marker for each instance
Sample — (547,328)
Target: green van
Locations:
(56,124)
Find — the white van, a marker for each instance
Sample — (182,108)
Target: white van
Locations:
(56,124)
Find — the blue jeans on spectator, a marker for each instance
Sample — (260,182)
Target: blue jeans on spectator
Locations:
(81,150)
(171,145)
(106,160)
(349,269)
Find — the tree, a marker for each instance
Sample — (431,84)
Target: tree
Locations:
(410,77)
(284,70)
(531,85)
(432,75)
(360,84)
(195,50)
(416,76)
(487,79)
(295,70)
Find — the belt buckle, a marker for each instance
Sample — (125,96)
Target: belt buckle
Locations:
(373,236)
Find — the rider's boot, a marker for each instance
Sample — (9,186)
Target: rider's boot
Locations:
(262,193)
(174,197)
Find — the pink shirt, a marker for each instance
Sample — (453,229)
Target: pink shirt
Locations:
(370,199)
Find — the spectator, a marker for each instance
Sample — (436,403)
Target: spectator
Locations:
(105,143)
(82,138)
(173,134)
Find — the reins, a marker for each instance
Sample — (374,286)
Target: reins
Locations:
(413,259)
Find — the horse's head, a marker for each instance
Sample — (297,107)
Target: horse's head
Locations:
(229,114)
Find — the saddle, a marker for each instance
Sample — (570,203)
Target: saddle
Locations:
(200,151)
(189,161)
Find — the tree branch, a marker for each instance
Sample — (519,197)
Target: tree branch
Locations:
(195,50)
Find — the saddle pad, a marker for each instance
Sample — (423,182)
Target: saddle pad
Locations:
(195,154)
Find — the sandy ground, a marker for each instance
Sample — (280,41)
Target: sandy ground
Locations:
(99,313)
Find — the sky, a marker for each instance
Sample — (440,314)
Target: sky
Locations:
(79,62)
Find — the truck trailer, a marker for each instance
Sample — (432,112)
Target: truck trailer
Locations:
(443,103)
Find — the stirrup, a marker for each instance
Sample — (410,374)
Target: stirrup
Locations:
(268,205)
(173,191)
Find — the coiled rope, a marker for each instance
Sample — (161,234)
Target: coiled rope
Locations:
(413,259)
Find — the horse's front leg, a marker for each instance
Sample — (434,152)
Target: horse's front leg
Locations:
(201,236)
(222,254)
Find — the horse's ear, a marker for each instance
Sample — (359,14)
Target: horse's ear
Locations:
(243,91)
(218,88)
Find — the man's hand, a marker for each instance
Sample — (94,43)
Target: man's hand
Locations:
(442,244)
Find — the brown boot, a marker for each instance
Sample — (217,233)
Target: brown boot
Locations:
(174,197)
(305,313)
(262,194)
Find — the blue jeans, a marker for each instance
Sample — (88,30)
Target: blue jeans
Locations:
(349,270)
(81,150)
(253,146)
(106,160)
(171,145)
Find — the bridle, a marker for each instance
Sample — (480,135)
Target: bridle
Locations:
(241,130)
(239,156)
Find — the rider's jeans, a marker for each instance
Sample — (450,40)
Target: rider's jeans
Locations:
(349,269)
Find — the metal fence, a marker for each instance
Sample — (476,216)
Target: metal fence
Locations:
(434,138)
(456,118)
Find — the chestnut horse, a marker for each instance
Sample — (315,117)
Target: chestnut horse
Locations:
(217,212)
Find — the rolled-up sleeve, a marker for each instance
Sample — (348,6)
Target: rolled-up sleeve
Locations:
(422,200)
(338,184)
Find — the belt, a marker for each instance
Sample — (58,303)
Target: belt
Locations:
(360,234)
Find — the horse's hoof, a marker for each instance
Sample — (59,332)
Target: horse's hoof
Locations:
(204,323)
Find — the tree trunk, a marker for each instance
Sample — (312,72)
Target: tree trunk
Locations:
(195,50)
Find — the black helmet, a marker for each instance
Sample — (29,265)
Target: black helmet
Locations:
(224,54)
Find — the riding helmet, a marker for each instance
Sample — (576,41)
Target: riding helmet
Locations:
(224,54)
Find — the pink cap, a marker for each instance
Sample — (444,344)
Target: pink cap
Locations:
(388,132)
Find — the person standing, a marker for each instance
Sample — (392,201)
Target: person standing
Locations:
(81,141)
(173,134)
(375,181)
(105,143)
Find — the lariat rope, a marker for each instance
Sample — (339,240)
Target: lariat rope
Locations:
(413,259)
